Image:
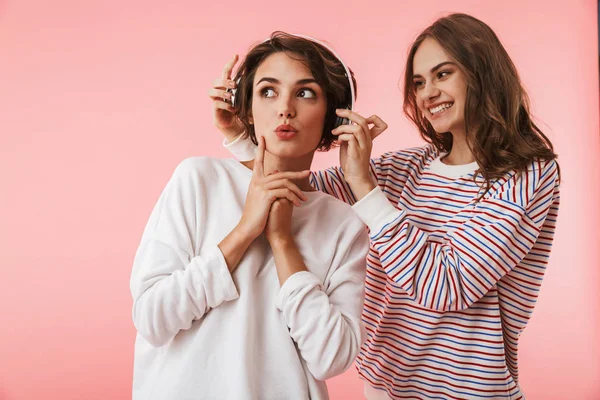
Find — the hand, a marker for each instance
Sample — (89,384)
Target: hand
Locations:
(355,149)
(279,223)
(265,190)
(223,112)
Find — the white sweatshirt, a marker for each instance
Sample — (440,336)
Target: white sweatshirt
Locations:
(204,333)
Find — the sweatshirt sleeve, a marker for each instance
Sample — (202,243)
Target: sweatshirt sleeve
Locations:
(325,320)
(454,273)
(171,287)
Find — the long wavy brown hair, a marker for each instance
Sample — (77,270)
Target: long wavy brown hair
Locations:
(500,131)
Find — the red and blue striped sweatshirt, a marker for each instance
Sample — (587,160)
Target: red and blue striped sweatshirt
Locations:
(451,281)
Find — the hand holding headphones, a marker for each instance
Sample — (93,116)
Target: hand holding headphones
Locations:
(221,95)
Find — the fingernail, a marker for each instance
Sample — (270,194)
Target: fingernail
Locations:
(231,84)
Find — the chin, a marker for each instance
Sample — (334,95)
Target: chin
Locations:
(287,149)
(440,128)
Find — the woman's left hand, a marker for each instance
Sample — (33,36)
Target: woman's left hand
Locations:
(355,149)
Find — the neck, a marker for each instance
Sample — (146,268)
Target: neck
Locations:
(281,164)
(460,153)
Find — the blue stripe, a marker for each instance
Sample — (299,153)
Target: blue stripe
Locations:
(426,357)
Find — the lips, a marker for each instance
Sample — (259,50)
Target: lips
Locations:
(439,109)
(286,131)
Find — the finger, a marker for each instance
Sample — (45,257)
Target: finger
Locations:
(284,183)
(260,156)
(379,125)
(291,175)
(351,115)
(358,120)
(347,137)
(284,194)
(221,83)
(349,141)
(229,67)
(219,94)
(221,105)
(356,130)
(352,147)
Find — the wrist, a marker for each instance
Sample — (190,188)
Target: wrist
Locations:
(244,234)
(281,242)
(362,187)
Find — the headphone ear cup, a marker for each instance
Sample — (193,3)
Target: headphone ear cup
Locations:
(232,101)
(339,121)
(234,91)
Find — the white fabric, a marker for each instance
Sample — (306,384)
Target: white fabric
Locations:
(204,333)
(449,171)
(241,148)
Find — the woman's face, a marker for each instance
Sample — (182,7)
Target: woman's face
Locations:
(440,88)
(288,106)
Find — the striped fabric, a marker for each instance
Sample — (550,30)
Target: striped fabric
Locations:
(451,282)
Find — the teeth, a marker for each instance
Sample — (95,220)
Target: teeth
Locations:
(440,108)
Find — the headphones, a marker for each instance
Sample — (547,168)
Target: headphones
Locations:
(339,120)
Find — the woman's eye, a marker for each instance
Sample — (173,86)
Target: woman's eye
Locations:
(418,84)
(267,92)
(443,74)
(307,94)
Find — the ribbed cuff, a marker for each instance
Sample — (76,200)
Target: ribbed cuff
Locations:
(219,285)
(376,211)
(294,283)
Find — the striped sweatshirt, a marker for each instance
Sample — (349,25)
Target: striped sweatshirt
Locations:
(451,281)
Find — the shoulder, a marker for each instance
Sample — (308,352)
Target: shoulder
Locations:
(537,181)
(205,168)
(412,155)
(194,164)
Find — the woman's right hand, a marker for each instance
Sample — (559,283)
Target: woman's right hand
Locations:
(223,112)
(264,190)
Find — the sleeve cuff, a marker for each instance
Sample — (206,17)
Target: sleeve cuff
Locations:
(241,148)
(219,285)
(376,211)
(294,283)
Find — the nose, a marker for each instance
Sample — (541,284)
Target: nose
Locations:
(286,106)
(429,92)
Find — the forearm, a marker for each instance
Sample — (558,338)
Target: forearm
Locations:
(288,259)
(234,245)
(324,318)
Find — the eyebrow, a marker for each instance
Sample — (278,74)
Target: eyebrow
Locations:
(440,65)
(277,82)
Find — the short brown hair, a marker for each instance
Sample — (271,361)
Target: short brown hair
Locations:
(326,68)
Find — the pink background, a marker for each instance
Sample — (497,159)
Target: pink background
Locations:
(99,100)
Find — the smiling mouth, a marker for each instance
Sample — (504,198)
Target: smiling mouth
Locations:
(439,109)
